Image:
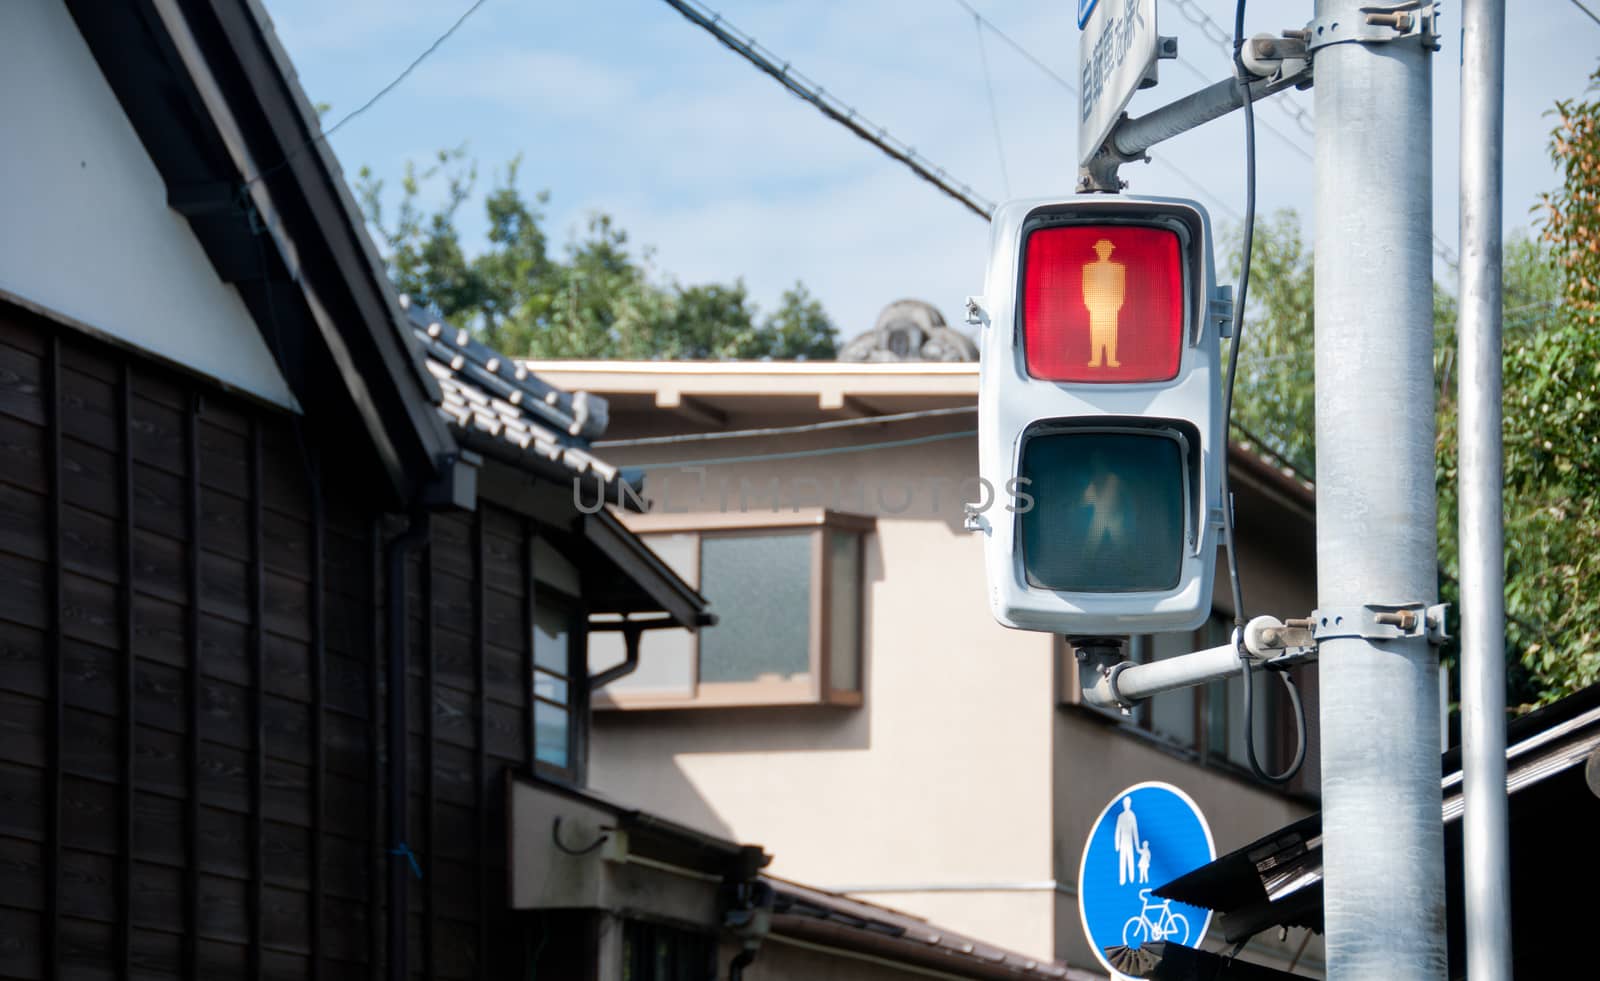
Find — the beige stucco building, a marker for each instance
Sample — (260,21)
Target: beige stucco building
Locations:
(857,710)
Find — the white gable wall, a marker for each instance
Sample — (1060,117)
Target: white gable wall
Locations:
(85,230)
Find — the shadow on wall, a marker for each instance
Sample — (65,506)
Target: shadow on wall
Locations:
(637,755)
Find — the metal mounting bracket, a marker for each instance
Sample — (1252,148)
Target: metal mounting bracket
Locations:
(1220,309)
(1269,641)
(1379,23)
(1381,621)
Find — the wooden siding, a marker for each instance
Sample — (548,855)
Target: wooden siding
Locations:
(191,675)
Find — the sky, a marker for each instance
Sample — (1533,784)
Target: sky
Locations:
(625,107)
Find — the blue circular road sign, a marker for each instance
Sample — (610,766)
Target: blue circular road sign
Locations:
(1148,835)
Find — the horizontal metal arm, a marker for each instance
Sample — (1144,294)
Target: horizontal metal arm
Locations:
(1131,137)
(1126,684)
(1264,639)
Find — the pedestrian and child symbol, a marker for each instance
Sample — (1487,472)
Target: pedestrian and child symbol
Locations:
(1130,849)
(1148,835)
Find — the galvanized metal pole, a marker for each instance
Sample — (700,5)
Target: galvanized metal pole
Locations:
(1485,840)
(1383,840)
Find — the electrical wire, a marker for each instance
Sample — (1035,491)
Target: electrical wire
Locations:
(746,47)
(1242,79)
(324,134)
(1072,90)
(1019,49)
(813,427)
(994,110)
(805,454)
(1250,732)
(1586,10)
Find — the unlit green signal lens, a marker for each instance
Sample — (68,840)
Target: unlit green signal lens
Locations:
(1107,514)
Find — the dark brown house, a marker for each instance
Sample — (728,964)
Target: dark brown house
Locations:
(292,578)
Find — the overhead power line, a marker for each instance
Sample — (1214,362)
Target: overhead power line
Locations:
(1071,89)
(419,59)
(810,427)
(1019,49)
(994,110)
(1586,10)
(764,59)
(806,454)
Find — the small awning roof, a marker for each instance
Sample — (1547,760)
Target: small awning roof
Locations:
(624,575)
(1277,879)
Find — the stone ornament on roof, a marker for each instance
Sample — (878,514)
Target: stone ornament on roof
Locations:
(910,330)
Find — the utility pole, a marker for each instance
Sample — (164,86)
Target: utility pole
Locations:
(1485,839)
(1382,839)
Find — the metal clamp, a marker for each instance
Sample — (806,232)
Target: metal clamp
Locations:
(1219,308)
(1273,642)
(1378,24)
(977,311)
(1381,621)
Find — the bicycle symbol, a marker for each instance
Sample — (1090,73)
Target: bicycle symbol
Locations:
(1141,929)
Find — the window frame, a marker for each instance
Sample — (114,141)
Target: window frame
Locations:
(817,687)
(577,679)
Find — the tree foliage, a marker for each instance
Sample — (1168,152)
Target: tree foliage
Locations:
(1552,432)
(1551,366)
(599,298)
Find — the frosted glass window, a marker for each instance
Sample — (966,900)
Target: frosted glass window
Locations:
(844,610)
(760,588)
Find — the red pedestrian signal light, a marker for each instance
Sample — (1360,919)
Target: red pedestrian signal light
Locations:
(1102,303)
(1099,398)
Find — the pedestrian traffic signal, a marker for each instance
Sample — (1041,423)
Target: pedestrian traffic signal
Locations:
(1099,413)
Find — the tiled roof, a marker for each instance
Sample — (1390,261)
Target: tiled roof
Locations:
(791,899)
(499,408)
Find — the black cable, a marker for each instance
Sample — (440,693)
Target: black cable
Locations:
(324,134)
(555,837)
(1241,78)
(1250,733)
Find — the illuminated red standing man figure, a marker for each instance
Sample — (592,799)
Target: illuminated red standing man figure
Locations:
(1105,286)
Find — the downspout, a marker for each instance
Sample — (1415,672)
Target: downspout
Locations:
(749,912)
(632,630)
(402,863)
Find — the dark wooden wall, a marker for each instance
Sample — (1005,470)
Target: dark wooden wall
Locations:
(191,682)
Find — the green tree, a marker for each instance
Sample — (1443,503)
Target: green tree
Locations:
(598,300)
(1551,365)
(1552,433)
(1274,398)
